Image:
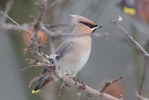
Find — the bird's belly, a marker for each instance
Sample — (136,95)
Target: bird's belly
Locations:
(74,63)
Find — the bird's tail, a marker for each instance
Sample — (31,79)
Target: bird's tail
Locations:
(42,82)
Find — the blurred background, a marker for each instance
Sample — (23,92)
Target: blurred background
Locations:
(110,57)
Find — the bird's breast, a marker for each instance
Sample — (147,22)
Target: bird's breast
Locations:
(76,57)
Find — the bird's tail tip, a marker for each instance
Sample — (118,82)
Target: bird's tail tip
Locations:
(35,91)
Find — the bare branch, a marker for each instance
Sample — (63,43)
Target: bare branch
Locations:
(34,46)
(143,76)
(10,26)
(15,22)
(87,97)
(79,95)
(38,65)
(37,79)
(6,11)
(144,73)
(45,30)
(131,38)
(31,61)
(55,25)
(140,97)
(62,86)
(42,10)
(146,55)
(87,89)
(25,50)
(107,84)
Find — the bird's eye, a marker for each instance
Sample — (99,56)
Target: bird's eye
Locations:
(90,26)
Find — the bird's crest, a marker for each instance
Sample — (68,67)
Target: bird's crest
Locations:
(76,19)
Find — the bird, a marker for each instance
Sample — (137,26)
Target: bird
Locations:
(127,7)
(74,52)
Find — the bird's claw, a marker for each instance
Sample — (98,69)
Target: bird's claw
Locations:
(82,86)
(76,80)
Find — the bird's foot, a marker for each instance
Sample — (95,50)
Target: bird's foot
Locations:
(81,84)
(62,86)
(76,79)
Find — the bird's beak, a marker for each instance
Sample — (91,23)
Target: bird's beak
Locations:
(99,26)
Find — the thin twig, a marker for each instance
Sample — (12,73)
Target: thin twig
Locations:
(79,95)
(10,26)
(38,65)
(42,10)
(25,50)
(107,84)
(37,78)
(34,45)
(131,38)
(7,10)
(120,96)
(140,97)
(87,97)
(144,73)
(31,67)
(62,86)
(143,76)
(15,22)
(55,25)
(33,62)
(45,30)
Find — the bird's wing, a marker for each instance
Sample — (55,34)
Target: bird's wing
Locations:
(59,52)
(63,48)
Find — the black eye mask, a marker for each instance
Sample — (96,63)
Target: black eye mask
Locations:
(89,25)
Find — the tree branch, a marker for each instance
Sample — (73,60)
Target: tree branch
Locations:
(10,26)
(107,84)
(6,11)
(140,97)
(14,22)
(143,76)
(131,38)
(92,92)
(146,55)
